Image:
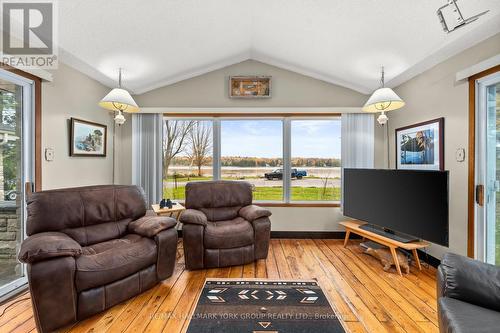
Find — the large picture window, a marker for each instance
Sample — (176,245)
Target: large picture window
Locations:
(252,150)
(256,150)
(187,154)
(315,160)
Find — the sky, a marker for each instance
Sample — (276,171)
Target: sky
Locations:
(263,138)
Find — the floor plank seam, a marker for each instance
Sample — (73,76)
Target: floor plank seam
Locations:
(362,295)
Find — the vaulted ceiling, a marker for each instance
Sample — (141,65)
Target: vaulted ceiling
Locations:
(160,42)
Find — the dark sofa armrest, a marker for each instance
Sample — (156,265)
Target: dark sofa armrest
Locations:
(52,290)
(440,282)
(149,225)
(166,242)
(470,281)
(48,245)
(253,212)
(193,216)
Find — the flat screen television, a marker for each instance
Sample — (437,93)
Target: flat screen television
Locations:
(411,202)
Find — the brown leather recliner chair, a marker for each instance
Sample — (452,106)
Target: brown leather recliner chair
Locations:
(90,248)
(221,227)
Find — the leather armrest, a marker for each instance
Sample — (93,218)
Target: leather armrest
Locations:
(166,242)
(193,216)
(53,293)
(470,281)
(253,212)
(262,234)
(48,245)
(192,242)
(150,226)
(440,281)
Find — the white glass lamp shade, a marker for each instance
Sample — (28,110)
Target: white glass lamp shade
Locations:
(119,100)
(383,100)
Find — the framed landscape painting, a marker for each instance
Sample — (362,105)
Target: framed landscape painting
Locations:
(421,146)
(87,138)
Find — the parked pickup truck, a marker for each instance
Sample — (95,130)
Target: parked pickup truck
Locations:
(278,174)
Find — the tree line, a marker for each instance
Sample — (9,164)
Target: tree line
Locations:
(239,161)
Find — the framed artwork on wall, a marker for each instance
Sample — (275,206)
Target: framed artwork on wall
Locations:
(87,138)
(249,86)
(421,146)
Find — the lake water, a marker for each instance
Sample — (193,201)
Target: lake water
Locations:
(240,172)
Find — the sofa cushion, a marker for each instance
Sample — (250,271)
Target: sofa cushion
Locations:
(228,234)
(221,214)
(55,210)
(98,299)
(98,233)
(460,317)
(218,194)
(228,257)
(150,226)
(109,261)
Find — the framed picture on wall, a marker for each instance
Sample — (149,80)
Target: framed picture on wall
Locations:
(421,146)
(249,86)
(87,138)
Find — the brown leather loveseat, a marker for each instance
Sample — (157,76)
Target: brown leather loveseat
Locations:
(90,248)
(221,227)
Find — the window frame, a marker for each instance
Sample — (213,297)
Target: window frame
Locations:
(286,120)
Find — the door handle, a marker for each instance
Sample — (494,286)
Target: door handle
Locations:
(480,195)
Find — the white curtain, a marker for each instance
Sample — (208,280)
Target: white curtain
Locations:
(358,130)
(147,137)
(358,140)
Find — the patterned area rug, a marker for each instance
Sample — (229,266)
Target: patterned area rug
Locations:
(262,306)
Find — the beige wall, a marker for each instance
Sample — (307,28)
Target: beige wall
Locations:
(72,94)
(306,219)
(434,94)
(289,89)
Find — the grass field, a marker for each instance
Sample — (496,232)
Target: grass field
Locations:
(274,193)
(185,179)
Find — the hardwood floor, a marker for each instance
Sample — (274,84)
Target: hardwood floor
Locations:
(365,297)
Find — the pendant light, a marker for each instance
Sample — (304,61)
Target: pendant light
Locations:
(119,100)
(382,100)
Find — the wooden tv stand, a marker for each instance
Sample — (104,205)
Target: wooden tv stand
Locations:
(354,227)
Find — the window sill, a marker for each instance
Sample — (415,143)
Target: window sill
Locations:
(297,204)
(291,204)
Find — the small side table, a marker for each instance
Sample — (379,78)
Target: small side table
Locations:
(176,209)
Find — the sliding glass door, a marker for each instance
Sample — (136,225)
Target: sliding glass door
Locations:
(488,169)
(16,142)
